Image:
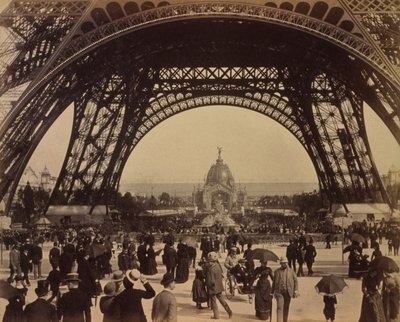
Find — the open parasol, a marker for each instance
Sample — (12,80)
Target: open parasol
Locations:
(330,285)
(7,291)
(357,238)
(263,255)
(385,264)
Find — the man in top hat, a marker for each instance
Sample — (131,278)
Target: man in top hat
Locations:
(129,301)
(164,304)
(74,305)
(284,287)
(215,285)
(41,310)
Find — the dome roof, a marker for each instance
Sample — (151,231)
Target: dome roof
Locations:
(219,173)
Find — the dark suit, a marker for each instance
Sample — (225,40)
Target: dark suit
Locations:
(54,256)
(129,303)
(40,311)
(164,307)
(170,259)
(75,306)
(309,257)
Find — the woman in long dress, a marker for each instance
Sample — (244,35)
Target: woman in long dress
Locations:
(391,296)
(150,264)
(372,306)
(263,298)
(182,269)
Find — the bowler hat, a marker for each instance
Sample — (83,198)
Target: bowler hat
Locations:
(109,289)
(118,276)
(167,279)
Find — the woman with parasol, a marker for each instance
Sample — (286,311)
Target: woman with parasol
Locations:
(372,306)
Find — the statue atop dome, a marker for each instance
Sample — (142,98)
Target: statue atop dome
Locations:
(219,152)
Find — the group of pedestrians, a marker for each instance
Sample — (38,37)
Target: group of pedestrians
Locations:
(298,251)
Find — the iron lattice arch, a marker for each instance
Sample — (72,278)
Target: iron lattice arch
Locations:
(127,74)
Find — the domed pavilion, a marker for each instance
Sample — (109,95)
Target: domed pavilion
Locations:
(219,191)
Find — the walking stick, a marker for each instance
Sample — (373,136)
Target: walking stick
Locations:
(270,313)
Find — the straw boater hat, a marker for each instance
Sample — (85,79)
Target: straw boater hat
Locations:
(167,279)
(72,277)
(212,257)
(133,275)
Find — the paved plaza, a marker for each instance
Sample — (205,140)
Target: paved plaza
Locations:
(306,308)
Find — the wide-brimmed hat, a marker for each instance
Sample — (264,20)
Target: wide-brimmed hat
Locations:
(132,275)
(283,259)
(72,277)
(118,276)
(42,288)
(212,256)
(167,279)
(109,289)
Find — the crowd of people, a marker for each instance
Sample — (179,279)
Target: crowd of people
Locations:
(80,258)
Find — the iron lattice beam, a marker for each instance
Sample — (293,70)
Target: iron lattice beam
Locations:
(124,88)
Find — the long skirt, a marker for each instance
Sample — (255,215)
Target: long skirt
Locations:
(150,266)
(372,309)
(263,299)
(391,304)
(182,271)
(199,291)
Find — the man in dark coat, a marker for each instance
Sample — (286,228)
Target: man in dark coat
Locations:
(291,254)
(37,256)
(74,306)
(54,255)
(86,275)
(215,286)
(170,258)
(25,265)
(309,257)
(141,253)
(129,301)
(41,310)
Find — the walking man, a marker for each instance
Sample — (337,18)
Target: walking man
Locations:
(15,263)
(215,285)
(74,305)
(170,257)
(284,287)
(309,257)
(41,310)
(164,304)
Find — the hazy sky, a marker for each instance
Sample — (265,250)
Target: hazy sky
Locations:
(182,148)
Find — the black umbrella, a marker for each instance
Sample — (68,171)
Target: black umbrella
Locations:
(263,255)
(357,238)
(7,291)
(331,285)
(385,264)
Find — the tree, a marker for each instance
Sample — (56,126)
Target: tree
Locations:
(165,199)
(28,202)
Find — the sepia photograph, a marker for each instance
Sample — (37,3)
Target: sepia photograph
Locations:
(198,160)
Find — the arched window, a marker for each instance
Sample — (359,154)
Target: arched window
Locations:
(286,6)
(87,26)
(99,16)
(147,5)
(115,10)
(163,4)
(131,8)
(270,4)
(319,10)
(303,8)
(347,25)
(334,15)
